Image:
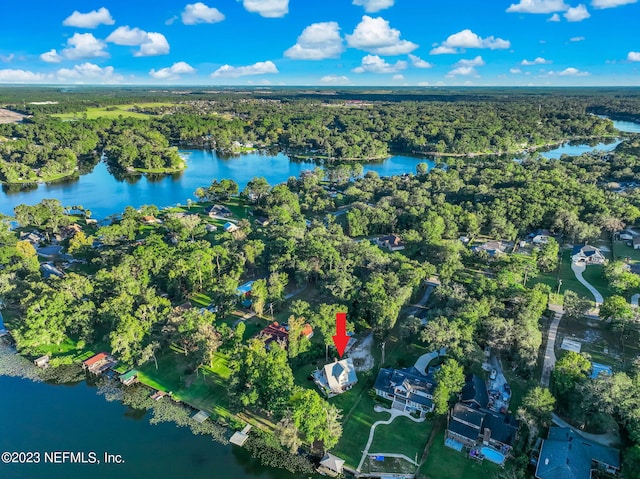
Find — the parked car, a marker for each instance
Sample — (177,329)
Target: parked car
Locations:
(493,374)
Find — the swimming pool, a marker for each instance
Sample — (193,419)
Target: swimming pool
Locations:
(492,455)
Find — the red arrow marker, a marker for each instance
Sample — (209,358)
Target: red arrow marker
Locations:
(341,339)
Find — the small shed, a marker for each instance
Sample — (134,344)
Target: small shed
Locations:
(129,378)
(42,361)
(229,227)
(571,345)
(331,465)
(201,416)
(240,437)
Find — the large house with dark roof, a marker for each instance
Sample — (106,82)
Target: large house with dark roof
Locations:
(406,388)
(567,455)
(471,423)
(585,254)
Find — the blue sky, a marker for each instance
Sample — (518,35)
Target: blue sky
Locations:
(322,42)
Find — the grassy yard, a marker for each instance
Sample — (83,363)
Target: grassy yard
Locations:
(445,463)
(113,111)
(205,390)
(402,436)
(593,274)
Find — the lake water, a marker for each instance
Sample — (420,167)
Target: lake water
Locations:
(104,194)
(46,418)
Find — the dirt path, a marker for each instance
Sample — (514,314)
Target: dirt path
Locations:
(550,355)
(8,116)
(360,353)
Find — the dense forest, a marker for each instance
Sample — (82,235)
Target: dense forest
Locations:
(132,282)
(329,126)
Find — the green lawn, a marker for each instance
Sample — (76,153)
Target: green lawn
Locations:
(445,463)
(205,390)
(115,111)
(593,274)
(402,436)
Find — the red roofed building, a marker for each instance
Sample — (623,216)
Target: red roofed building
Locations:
(99,363)
(277,332)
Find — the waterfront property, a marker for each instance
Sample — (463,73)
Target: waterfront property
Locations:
(99,363)
(336,378)
(406,388)
(240,437)
(565,454)
(42,361)
(129,378)
(218,211)
(331,465)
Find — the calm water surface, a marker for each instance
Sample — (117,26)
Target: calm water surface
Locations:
(105,195)
(46,418)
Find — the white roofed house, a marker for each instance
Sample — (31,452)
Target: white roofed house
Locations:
(336,378)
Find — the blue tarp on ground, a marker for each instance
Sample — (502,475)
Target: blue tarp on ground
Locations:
(378,458)
(3,330)
(598,369)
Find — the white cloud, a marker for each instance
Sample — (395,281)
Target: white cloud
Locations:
(51,56)
(515,71)
(335,80)
(88,71)
(554,18)
(610,3)
(372,6)
(7,58)
(537,61)
(173,72)
(156,44)
(577,14)
(259,68)
(419,62)
(376,36)
(84,45)
(398,77)
(200,13)
(467,39)
(463,71)
(573,72)
(130,37)
(150,43)
(317,42)
(633,57)
(538,6)
(267,8)
(424,83)
(466,67)
(474,62)
(375,64)
(576,39)
(20,76)
(89,20)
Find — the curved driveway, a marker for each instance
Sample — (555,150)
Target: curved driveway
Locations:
(578,269)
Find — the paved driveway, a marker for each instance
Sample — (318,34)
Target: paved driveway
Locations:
(578,269)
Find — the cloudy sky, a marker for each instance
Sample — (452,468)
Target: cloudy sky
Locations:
(322,42)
